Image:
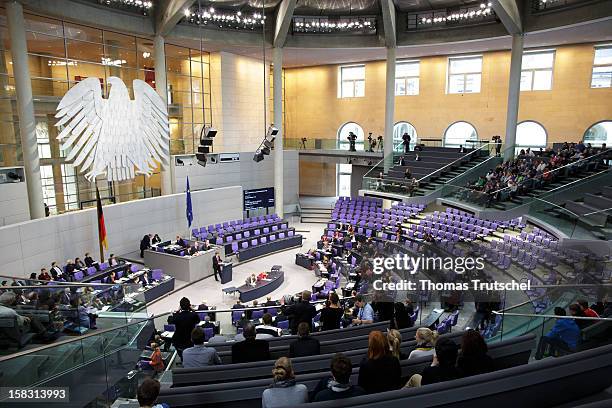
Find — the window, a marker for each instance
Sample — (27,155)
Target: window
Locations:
(343,133)
(398,130)
(602,68)
(530,134)
(599,133)
(48,187)
(343,184)
(42,138)
(537,71)
(69,186)
(407,78)
(464,75)
(352,81)
(458,133)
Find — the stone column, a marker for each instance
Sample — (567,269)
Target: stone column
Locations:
(161,85)
(278,122)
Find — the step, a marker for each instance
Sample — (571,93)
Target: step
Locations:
(315,220)
(327,211)
(607,192)
(599,202)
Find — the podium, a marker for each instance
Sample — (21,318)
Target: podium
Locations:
(226,272)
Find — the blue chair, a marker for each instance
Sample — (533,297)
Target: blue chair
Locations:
(272,310)
(169,327)
(208,333)
(283,324)
(236,316)
(257,314)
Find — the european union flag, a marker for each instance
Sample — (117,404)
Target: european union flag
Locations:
(189,208)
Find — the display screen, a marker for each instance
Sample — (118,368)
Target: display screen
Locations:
(258,198)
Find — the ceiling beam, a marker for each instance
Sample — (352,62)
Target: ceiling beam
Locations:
(169,13)
(508,13)
(283,21)
(388,17)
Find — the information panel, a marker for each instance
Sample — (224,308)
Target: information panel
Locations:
(258,198)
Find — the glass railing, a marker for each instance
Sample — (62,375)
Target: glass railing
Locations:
(474,189)
(361,146)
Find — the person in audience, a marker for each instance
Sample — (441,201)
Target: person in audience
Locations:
(305,345)
(425,341)
(379,371)
(284,392)
(184,320)
(83,318)
(145,243)
(266,330)
(157,361)
(199,355)
(156,239)
(250,349)
(331,314)
(207,323)
(406,142)
(112,261)
(78,263)
(112,278)
(394,337)
(238,305)
(473,358)
(69,269)
(44,275)
(586,310)
(401,317)
(339,385)
(203,306)
(563,337)
(402,161)
(407,174)
(251,280)
(56,271)
(299,312)
(180,241)
(442,367)
(191,250)
(8,300)
(89,261)
(576,311)
(147,394)
(365,315)
(270,302)
(217,261)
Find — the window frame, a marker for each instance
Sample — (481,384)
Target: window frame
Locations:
(444,144)
(342,142)
(342,81)
(534,147)
(534,70)
(600,66)
(464,74)
(406,78)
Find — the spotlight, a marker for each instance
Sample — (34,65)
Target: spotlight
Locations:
(258,156)
(272,131)
(265,150)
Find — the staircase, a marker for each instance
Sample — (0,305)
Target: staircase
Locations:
(316,210)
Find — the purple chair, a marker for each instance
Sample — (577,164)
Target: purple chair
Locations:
(119,274)
(169,327)
(273,311)
(236,316)
(157,274)
(245,245)
(257,232)
(219,241)
(263,240)
(273,237)
(257,314)
(234,247)
(208,333)
(239,236)
(247,234)
(91,270)
(78,275)
(134,268)
(290,233)
(104,266)
(229,238)
(266,230)
(281,235)
(274,228)
(254,242)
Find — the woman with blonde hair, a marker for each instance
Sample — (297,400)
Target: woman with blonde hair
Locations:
(426,340)
(394,337)
(284,391)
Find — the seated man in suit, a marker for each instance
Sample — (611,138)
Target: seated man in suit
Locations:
(56,271)
(192,250)
(207,323)
(180,241)
(70,269)
(304,345)
(270,302)
(203,306)
(250,349)
(89,261)
(112,261)
(266,330)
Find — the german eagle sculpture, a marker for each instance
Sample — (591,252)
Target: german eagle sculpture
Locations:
(118,137)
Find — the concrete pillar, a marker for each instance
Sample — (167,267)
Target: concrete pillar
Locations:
(389,107)
(277,60)
(514,94)
(161,85)
(25,108)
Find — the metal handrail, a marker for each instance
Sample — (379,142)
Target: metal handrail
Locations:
(453,163)
(501,313)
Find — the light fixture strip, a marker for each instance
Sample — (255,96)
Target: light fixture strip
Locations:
(464,14)
(225,19)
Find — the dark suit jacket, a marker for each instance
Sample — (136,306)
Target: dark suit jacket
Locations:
(217,262)
(250,350)
(145,243)
(298,313)
(304,346)
(89,261)
(184,321)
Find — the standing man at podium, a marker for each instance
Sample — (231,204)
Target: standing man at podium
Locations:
(217,265)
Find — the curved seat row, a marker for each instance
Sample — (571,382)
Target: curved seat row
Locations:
(242,394)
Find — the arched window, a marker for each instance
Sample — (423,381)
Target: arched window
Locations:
(398,131)
(457,134)
(343,133)
(599,133)
(530,134)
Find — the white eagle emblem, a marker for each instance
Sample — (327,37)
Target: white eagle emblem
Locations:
(116,135)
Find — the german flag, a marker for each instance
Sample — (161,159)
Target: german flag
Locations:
(101,226)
